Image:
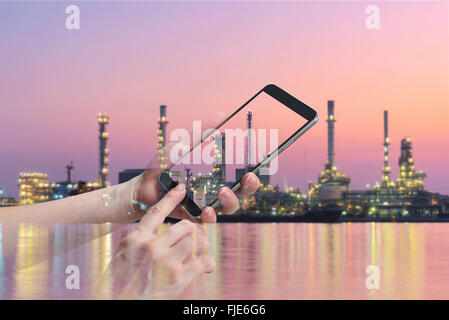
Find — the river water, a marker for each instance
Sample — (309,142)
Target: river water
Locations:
(257,261)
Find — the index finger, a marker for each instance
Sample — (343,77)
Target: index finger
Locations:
(158,212)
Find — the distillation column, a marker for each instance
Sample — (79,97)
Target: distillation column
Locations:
(249,119)
(386,170)
(103,120)
(330,133)
(162,131)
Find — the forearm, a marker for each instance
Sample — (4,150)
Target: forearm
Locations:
(112,204)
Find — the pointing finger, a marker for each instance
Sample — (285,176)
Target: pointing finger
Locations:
(158,212)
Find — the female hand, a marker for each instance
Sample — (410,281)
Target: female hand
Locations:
(146,190)
(149,266)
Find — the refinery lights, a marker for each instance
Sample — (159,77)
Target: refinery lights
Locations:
(103,120)
(33,187)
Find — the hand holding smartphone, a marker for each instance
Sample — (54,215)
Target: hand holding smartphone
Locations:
(249,140)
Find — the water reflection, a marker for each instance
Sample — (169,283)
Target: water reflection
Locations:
(2,267)
(254,261)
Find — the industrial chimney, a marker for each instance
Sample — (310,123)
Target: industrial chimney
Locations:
(331,183)
(249,119)
(162,126)
(162,131)
(330,133)
(103,120)
(386,170)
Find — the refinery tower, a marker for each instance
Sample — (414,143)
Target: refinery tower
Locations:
(331,183)
(386,179)
(408,178)
(161,133)
(103,120)
(219,170)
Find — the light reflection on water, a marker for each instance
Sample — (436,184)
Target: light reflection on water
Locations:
(254,261)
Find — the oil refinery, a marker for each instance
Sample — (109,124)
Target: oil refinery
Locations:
(331,183)
(329,200)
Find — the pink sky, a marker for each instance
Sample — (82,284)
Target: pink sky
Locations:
(201,58)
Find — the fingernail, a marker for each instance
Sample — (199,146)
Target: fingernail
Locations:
(209,210)
(251,177)
(224,192)
(180,187)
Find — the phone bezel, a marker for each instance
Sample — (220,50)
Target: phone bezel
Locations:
(284,98)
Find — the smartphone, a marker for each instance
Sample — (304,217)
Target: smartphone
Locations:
(249,140)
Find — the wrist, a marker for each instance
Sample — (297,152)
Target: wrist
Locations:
(117,203)
(133,188)
(138,206)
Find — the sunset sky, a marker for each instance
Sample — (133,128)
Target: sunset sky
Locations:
(202,58)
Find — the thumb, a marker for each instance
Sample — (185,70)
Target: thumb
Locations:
(158,212)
